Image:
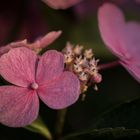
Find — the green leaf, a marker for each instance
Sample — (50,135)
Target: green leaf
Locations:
(126,114)
(38,126)
(105,133)
(122,121)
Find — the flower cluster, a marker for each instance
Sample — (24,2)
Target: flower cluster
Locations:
(83,64)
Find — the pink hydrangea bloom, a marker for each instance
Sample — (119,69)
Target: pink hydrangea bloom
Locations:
(34,77)
(61,4)
(122,38)
(40,43)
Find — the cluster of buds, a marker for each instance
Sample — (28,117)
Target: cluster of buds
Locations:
(83,64)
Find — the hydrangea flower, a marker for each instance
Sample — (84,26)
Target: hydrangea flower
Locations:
(122,38)
(37,45)
(34,77)
(61,4)
(82,62)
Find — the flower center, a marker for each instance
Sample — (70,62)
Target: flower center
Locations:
(34,86)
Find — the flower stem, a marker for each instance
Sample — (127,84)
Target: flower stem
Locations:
(60,123)
(109,65)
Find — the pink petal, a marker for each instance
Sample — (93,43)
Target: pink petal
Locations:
(46,40)
(111,25)
(133,69)
(50,66)
(131,41)
(123,39)
(5,49)
(40,43)
(62,92)
(18,106)
(61,4)
(18,66)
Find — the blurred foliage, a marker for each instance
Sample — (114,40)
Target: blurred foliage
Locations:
(126,115)
(105,133)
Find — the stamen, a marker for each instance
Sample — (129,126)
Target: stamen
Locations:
(83,64)
(34,86)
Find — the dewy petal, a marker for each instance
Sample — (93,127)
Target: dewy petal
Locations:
(62,92)
(18,66)
(18,106)
(50,66)
(111,26)
(61,4)
(46,40)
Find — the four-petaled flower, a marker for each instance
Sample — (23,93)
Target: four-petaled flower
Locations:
(34,76)
(122,38)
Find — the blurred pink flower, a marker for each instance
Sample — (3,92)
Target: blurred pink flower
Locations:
(137,1)
(34,77)
(21,19)
(6,25)
(122,38)
(88,8)
(61,4)
(38,44)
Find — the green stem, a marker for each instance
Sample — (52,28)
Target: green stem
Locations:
(38,126)
(60,123)
(46,133)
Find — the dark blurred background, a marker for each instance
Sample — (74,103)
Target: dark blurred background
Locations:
(118,93)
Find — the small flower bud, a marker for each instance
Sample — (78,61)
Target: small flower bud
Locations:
(78,60)
(95,87)
(77,68)
(96,78)
(68,58)
(85,63)
(83,76)
(88,53)
(78,50)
